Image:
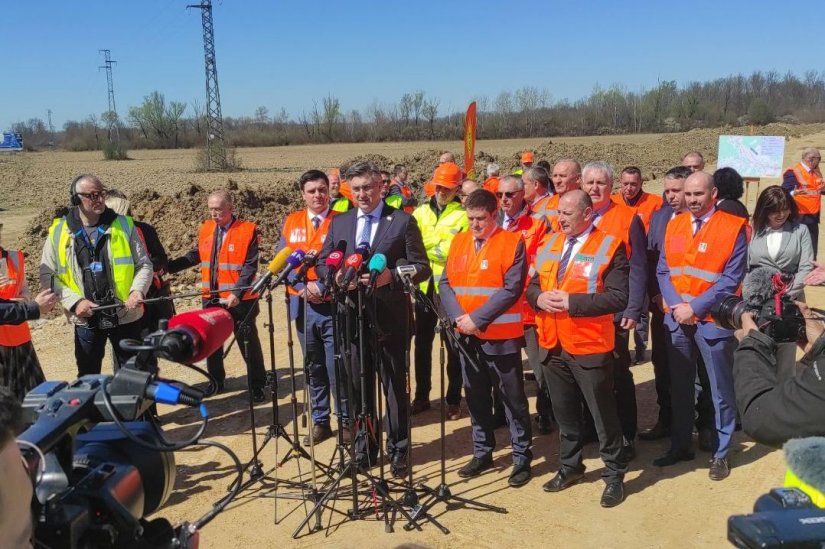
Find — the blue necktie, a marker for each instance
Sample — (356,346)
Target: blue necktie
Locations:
(316,222)
(366,230)
(565,259)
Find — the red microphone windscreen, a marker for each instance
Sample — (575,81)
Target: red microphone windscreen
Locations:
(355,261)
(334,259)
(209,329)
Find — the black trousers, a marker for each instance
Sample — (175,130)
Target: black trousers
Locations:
(812,222)
(661,371)
(590,377)
(544,408)
(252,353)
(90,346)
(425,324)
(623,386)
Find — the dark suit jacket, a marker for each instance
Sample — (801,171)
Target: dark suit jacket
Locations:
(397,237)
(655,245)
(13,312)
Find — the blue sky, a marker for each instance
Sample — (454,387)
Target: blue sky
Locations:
(287,53)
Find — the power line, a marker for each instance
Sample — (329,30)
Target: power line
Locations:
(215,146)
(111,114)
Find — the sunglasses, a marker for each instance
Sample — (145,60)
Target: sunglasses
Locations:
(94,197)
(385,181)
(507,194)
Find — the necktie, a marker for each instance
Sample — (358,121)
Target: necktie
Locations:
(596,216)
(479,243)
(511,223)
(316,222)
(565,259)
(698,222)
(366,230)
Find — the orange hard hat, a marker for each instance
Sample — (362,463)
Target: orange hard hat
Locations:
(334,171)
(429,188)
(447,175)
(527,156)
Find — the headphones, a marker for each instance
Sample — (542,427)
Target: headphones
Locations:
(74,198)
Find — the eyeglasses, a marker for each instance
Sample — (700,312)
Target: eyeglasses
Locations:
(385,181)
(95,196)
(507,194)
(34,462)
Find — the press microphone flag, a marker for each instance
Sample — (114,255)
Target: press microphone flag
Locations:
(378,264)
(310,260)
(275,266)
(353,263)
(292,262)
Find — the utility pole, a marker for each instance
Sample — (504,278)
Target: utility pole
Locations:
(111,114)
(215,145)
(49,116)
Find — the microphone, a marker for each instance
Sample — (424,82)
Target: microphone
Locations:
(378,264)
(758,287)
(353,264)
(273,268)
(404,270)
(333,263)
(310,260)
(294,260)
(194,335)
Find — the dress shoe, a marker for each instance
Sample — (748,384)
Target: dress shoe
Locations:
(672,458)
(520,476)
(545,425)
(639,356)
(320,432)
(258,394)
(563,480)
(529,376)
(613,494)
(453,412)
(706,443)
(656,432)
(628,451)
(719,469)
(398,465)
(419,406)
(476,467)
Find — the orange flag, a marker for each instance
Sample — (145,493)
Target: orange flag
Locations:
(470,141)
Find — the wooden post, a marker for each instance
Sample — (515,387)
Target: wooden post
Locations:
(748,181)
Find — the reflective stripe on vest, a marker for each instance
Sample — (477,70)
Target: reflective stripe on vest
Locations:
(299,234)
(584,275)
(616,221)
(18,334)
(808,204)
(438,234)
(696,262)
(231,256)
(120,255)
(477,276)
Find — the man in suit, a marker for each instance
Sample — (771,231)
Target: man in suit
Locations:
(804,182)
(581,281)
(675,199)
(481,290)
(395,234)
(699,262)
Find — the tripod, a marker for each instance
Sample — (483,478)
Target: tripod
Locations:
(442,492)
(364,427)
(276,430)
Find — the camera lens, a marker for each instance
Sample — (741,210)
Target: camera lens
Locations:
(727,311)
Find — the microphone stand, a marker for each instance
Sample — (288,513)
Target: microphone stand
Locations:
(442,492)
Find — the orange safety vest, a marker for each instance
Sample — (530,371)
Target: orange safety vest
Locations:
(491,184)
(645,207)
(696,262)
(579,335)
(299,233)
(539,208)
(231,256)
(532,231)
(476,276)
(551,213)
(810,182)
(405,192)
(616,221)
(14,335)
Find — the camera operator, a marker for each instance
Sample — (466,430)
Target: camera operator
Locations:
(16,487)
(772,412)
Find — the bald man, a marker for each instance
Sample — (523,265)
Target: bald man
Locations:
(699,262)
(566,176)
(694,160)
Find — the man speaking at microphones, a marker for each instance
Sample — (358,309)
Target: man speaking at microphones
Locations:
(227,253)
(394,234)
(307,229)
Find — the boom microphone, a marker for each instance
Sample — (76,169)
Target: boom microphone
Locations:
(195,335)
(378,264)
(273,268)
(333,263)
(757,286)
(353,264)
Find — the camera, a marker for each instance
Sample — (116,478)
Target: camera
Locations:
(776,315)
(784,517)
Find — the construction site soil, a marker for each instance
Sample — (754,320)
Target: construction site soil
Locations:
(666,507)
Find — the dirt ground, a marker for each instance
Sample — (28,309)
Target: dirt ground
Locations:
(671,507)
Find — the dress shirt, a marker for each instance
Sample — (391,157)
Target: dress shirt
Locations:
(705,218)
(376,217)
(580,240)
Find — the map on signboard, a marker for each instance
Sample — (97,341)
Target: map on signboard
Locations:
(752,155)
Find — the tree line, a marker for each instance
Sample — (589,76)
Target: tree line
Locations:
(760,98)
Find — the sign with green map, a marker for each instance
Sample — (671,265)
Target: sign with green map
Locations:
(752,155)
